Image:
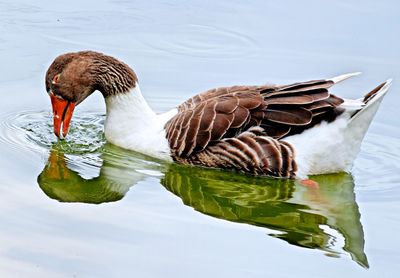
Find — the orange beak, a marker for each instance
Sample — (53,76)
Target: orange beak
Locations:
(62,114)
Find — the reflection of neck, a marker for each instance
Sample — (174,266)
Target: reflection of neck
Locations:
(132,124)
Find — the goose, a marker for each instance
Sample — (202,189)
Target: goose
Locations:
(288,131)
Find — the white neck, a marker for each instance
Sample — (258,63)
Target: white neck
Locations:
(133,125)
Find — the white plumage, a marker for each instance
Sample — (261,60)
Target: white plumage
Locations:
(133,125)
(325,148)
(332,147)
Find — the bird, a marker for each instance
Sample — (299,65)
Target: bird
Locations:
(284,131)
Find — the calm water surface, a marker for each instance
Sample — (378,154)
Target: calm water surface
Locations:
(85,208)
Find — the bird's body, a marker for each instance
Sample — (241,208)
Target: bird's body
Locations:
(284,131)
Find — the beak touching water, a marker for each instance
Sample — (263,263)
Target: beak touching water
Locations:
(62,114)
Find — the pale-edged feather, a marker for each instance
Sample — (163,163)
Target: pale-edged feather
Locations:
(290,116)
(290,100)
(239,127)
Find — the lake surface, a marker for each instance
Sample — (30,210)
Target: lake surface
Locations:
(85,208)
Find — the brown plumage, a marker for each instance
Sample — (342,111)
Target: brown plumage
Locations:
(241,127)
(250,152)
(81,73)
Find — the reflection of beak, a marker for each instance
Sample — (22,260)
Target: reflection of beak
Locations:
(62,114)
(55,167)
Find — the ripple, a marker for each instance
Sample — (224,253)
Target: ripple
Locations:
(81,168)
(377,167)
(194,40)
(33,131)
(85,147)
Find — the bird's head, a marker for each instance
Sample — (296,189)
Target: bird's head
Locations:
(72,77)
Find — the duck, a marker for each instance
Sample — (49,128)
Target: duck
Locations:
(284,131)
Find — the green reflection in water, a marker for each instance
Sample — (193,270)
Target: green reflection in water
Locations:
(299,213)
(310,217)
(63,177)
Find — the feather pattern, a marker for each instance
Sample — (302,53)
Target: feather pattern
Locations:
(250,152)
(248,128)
(241,127)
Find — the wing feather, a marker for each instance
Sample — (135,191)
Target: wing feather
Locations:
(224,113)
(289,116)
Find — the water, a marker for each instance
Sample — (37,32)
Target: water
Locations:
(85,208)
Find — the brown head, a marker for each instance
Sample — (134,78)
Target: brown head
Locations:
(72,77)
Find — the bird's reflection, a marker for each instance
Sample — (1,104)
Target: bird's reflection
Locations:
(311,217)
(319,217)
(65,176)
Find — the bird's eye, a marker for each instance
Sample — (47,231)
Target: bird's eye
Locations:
(56,78)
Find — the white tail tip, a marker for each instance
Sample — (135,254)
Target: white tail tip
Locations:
(385,87)
(388,82)
(342,77)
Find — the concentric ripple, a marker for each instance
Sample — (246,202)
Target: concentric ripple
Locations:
(33,131)
(85,144)
(81,168)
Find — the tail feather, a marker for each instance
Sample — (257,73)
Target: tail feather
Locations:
(373,93)
(380,90)
(370,102)
(332,147)
(340,78)
(359,123)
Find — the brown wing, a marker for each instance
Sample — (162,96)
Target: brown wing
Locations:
(250,152)
(223,113)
